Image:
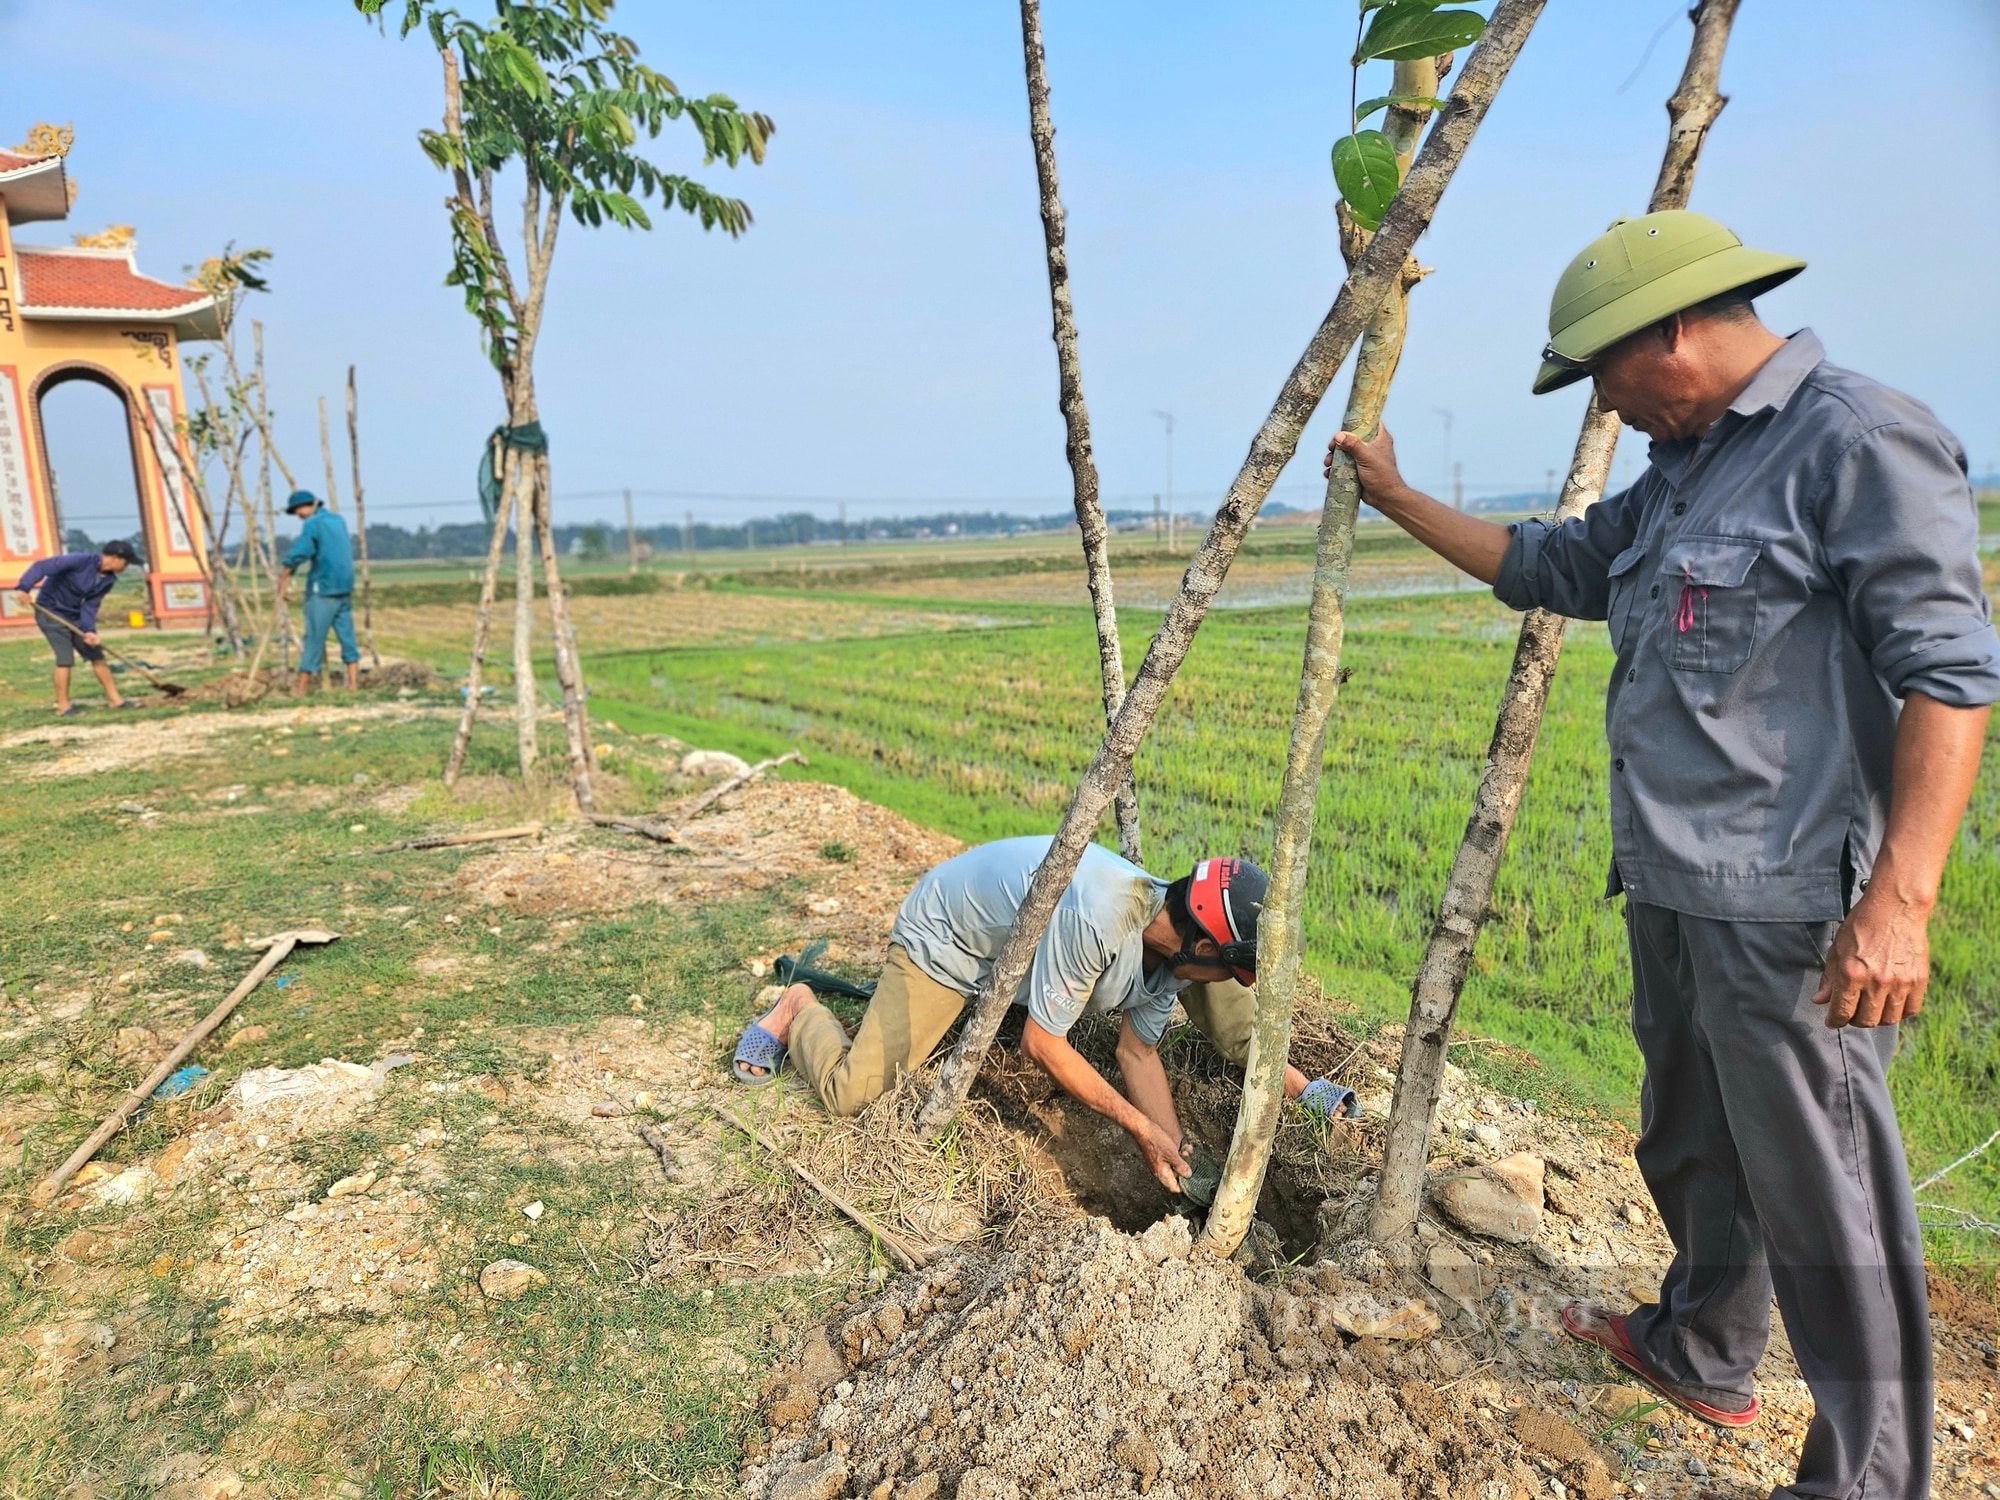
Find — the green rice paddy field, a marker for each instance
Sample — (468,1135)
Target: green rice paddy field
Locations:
(982,733)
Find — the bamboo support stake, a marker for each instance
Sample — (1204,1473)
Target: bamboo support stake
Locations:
(1280,926)
(1379,268)
(360,521)
(526,699)
(259,412)
(1468,892)
(326,458)
(1076,416)
(482,628)
(214,565)
(569,668)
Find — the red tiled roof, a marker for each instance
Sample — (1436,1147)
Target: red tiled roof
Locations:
(98,281)
(10,162)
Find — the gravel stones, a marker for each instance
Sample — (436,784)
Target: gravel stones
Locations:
(1501,1199)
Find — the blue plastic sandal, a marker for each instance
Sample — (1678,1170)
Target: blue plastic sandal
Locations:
(758,1049)
(1324,1099)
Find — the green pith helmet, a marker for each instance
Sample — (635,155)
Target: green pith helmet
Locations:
(1640,271)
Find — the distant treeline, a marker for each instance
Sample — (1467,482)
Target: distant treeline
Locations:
(391,543)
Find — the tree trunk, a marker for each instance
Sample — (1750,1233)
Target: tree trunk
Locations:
(1380,267)
(360,521)
(1076,416)
(521,480)
(1468,892)
(569,672)
(1280,927)
(496,547)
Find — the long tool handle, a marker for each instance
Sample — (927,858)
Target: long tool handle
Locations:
(906,1255)
(115,1121)
(453,840)
(111,651)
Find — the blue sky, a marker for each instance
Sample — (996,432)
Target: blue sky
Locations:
(881,334)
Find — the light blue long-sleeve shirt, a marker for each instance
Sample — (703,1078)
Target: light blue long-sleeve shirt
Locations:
(956,919)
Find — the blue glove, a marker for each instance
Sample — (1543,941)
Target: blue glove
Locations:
(1325,1099)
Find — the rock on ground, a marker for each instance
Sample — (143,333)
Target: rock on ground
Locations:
(1501,1199)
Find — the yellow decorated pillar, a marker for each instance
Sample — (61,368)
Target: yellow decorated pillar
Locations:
(84,312)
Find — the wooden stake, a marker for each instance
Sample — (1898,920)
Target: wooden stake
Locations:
(715,794)
(360,521)
(1381,264)
(326,458)
(906,1255)
(1468,891)
(453,840)
(1076,416)
(569,670)
(482,629)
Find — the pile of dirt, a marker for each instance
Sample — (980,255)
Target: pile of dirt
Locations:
(1091,1363)
(861,858)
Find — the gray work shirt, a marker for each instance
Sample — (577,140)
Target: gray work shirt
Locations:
(956,918)
(1774,589)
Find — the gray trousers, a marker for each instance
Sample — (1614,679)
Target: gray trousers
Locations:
(1771,1148)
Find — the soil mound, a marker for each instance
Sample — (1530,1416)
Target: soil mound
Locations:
(1090,1363)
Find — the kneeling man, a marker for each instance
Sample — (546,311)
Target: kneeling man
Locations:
(1120,940)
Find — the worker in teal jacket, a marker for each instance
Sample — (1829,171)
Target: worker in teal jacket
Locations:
(324,550)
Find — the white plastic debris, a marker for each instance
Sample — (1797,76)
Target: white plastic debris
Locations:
(264,1086)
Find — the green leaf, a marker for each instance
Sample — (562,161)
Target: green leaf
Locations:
(1364,167)
(1405,30)
(1368,5)
(1368,107)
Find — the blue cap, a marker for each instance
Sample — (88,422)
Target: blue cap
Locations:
(300,499)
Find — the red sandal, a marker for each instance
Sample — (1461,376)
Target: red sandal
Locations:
(1596,1324)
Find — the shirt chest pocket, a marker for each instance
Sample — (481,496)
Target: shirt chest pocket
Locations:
(1624,578)
(1712,582)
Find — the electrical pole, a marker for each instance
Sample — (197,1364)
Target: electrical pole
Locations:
(843,523)
(1458,486)
(1167,418)
(1549,489)
(687,535)
(631,536)
(1445,412)
(1159,531)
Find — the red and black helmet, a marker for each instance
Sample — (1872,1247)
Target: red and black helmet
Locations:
(1224,899)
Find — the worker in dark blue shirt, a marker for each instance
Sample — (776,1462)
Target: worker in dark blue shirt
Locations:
(72,583)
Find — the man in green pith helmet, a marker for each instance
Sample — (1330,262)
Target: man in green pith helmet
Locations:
(1805,664)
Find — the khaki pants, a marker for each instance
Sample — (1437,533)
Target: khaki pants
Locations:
(911,1012)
